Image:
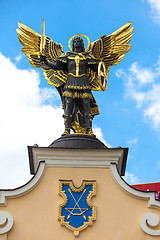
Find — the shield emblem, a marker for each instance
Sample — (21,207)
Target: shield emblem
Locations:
(77,212)
(103,75)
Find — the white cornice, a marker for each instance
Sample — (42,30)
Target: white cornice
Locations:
(98,158)
(150,196)
(4,194)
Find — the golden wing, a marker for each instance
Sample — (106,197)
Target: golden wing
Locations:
(111,49)
(31,42)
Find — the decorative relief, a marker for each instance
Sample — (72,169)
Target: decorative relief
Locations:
(150,220)
(77,212)
(6,222)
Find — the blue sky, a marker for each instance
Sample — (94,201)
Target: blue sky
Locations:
(129,109)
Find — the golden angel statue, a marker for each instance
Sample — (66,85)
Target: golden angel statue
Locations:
(76,73)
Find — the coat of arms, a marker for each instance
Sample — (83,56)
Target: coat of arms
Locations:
(77,212)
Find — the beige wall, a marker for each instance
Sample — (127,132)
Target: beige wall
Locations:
(118,214)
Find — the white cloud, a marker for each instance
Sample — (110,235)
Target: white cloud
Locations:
(155,7)
(98,132)
(158,164)
(18,58)
(142,85)
(132,142)
(130,178)
(48,96)
(28,115)
(143,76)
(24,120)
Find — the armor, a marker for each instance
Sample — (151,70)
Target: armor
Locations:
(77,86)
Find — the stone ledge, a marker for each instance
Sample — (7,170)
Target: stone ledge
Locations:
(91,158)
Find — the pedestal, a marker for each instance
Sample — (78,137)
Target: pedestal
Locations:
(77,192)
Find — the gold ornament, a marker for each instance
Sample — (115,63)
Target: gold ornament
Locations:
(82,35)
(102,76)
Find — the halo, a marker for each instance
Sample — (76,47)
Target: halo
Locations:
(69,43)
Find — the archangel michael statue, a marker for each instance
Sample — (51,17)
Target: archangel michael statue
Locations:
(76,73)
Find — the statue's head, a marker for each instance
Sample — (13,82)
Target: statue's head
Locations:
(78,41)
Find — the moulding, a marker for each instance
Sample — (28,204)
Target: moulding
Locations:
(88,158)
(152,220)
(150,196)
(6,222)
(12,193)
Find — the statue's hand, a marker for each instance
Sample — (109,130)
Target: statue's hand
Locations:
(42,58)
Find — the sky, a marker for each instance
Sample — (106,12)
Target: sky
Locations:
(30,109)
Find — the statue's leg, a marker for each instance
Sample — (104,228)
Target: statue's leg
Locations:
(68,115)
(87,115)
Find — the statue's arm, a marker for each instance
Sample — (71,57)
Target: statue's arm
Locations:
(55,66)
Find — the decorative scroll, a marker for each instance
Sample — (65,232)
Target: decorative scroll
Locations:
(150,220)
(6,222)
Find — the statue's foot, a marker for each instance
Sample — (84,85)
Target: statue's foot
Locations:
(66,132)
(90,132)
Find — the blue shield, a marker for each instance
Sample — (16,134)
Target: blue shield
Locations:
(77,212)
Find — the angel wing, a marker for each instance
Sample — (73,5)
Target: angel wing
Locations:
(31,48)
(111,49)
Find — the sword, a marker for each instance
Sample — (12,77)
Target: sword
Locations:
(42,44)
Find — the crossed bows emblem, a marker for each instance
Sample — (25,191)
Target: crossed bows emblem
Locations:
(76,206)
(77,212)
